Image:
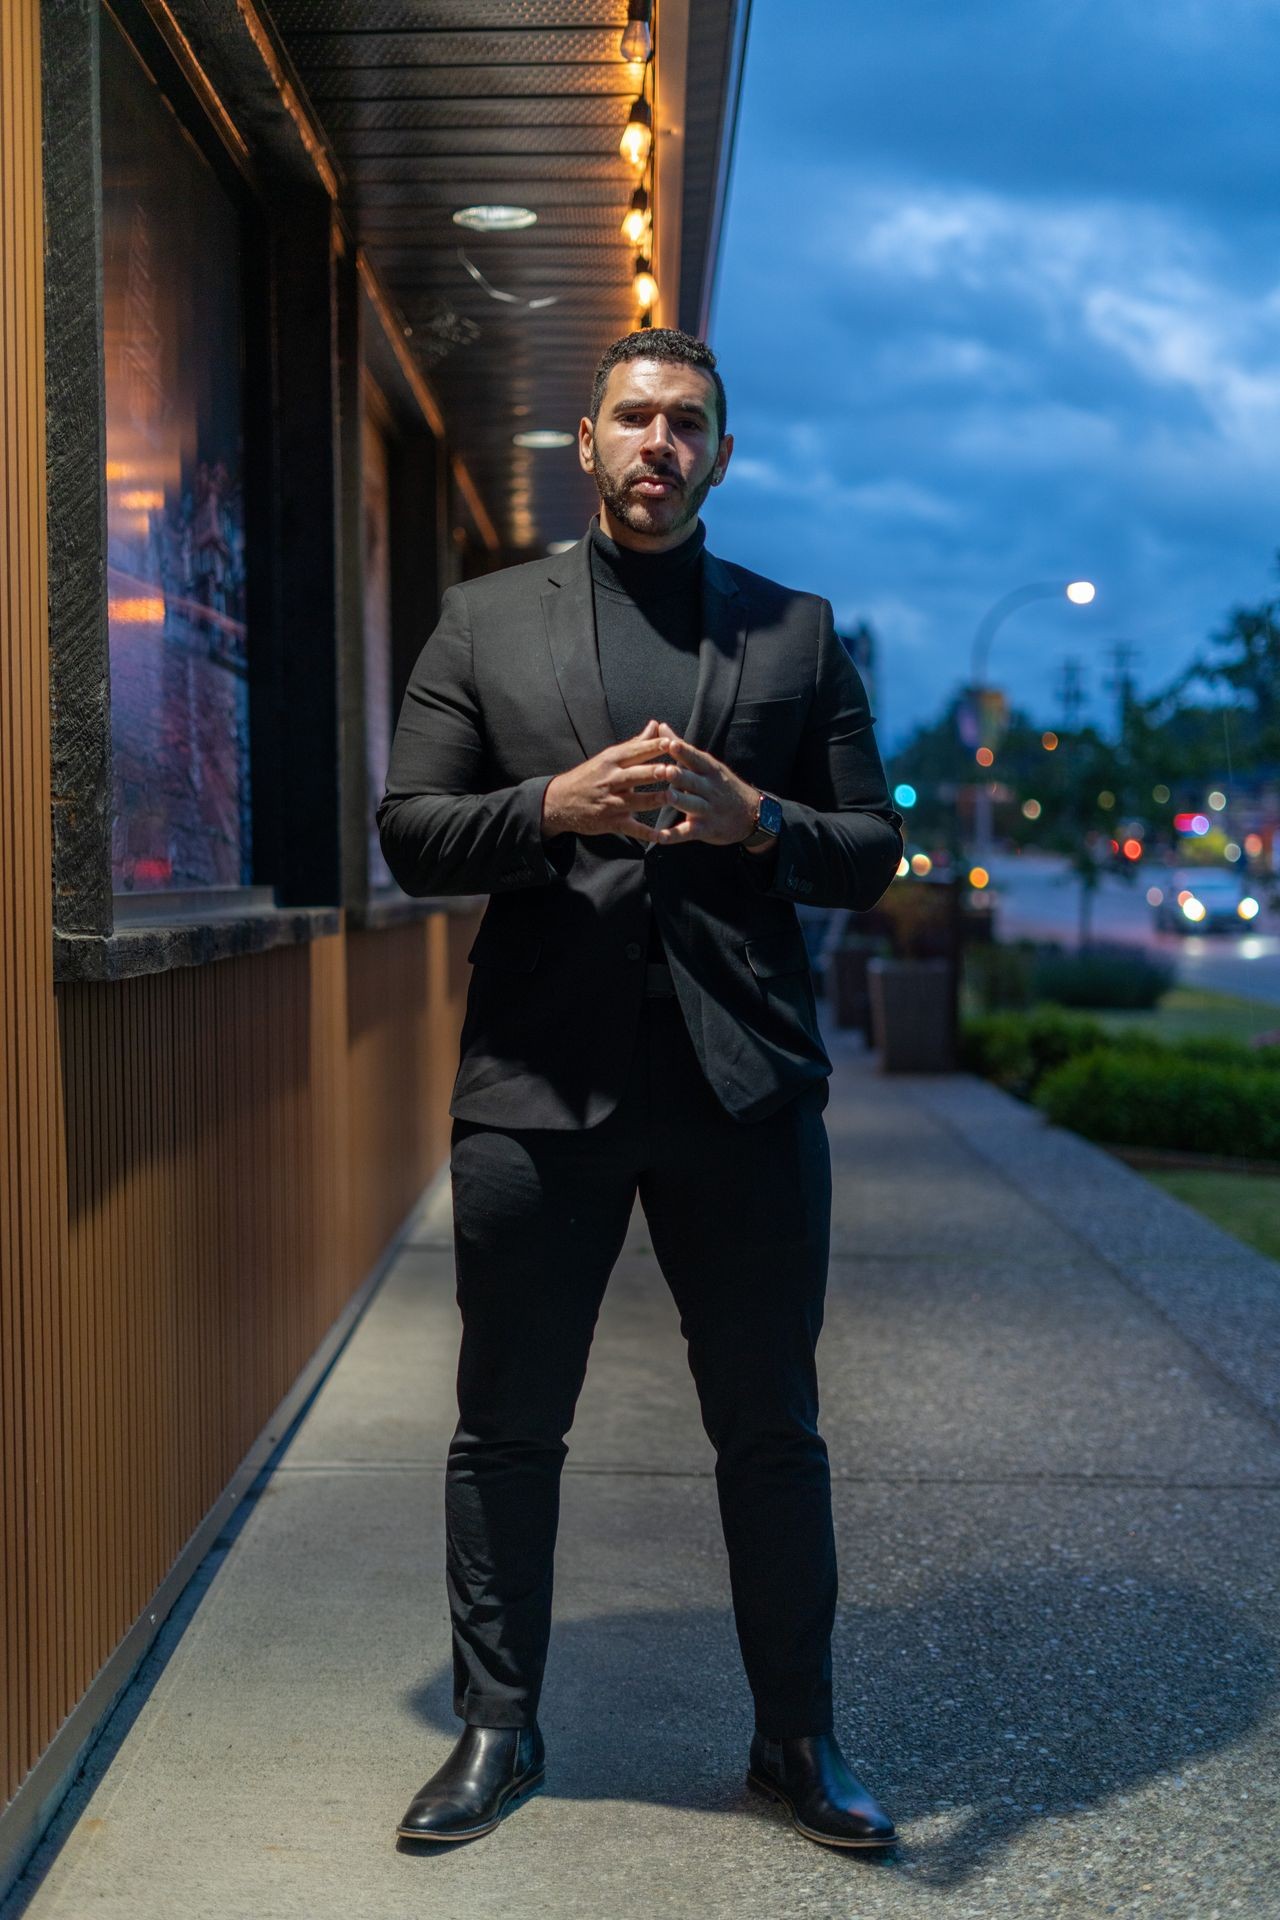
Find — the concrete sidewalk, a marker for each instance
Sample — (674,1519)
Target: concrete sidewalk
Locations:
(1046,1391)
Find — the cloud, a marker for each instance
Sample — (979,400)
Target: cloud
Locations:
(902,500)
(996,302)
(1197,339)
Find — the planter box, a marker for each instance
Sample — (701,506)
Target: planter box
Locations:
(847,973)
(913,1015)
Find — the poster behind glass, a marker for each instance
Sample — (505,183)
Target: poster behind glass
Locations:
(175,503)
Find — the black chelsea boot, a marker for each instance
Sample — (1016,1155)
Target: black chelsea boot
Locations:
(827,1802)
(490,1771)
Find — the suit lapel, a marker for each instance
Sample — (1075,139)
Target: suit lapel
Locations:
(724,636)
(569,613)
(720,651)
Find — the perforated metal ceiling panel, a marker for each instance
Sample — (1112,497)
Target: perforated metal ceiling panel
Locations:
(431,105)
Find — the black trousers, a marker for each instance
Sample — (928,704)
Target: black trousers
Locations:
(739,1216)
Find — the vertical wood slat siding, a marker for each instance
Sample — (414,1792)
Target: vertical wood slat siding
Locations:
(32,1196)
(197,1169)
(241,1141)
(400,1073)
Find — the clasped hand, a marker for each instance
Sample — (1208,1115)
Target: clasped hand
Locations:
(603,794)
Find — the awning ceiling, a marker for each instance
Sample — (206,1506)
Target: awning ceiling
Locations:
(428,106)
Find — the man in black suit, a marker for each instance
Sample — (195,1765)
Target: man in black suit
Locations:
(645,756)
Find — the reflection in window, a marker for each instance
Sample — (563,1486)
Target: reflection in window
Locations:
(175,506)
(377,617)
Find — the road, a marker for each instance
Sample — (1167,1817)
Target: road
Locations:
(1038,898)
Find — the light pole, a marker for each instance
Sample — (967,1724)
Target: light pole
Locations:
(1079,593)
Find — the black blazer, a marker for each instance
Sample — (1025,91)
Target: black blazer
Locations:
(505,694)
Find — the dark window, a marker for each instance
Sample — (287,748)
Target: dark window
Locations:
(375,470)
(175,497)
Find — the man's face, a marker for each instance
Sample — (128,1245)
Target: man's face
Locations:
(655,451)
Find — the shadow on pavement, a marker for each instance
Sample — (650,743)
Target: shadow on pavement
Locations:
(998,1703)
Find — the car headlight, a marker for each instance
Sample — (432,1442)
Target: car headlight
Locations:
(1194,909)
(1248,908)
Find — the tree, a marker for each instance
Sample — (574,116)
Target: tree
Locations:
(1246,660)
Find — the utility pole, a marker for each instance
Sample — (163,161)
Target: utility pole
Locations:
(1120,682)
(1071,693)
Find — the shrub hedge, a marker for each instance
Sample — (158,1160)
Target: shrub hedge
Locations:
(1118,977)
(1016,1050)
(1155,1097)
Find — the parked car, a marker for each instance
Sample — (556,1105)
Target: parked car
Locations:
(1204,900)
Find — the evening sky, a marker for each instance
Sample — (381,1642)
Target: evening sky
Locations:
(999,301)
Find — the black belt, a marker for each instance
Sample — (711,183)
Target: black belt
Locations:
(658,983)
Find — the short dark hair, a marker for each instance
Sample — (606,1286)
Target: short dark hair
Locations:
(658,343)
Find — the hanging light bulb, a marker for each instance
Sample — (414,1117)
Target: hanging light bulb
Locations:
(637,219)
(637,36)
(644,286)
(637,135)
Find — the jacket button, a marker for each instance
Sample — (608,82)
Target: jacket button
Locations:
(633,949)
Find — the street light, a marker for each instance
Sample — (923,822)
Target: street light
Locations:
(1079,593)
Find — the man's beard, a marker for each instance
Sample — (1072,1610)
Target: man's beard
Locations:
(649,514)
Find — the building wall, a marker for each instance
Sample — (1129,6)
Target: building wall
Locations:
(198,1168)
(33,1212)
(227,1151)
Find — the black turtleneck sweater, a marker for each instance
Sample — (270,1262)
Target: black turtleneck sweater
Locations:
(648,627)
(647,630)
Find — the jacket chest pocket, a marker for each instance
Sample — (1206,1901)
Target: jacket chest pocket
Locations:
(763,731)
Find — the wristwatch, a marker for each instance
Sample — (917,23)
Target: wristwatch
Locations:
(768,824)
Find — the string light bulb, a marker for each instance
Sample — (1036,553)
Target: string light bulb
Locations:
(637,219)
(644,286)
(637,136)
(636,43)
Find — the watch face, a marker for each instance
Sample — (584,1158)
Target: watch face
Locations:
(770,814)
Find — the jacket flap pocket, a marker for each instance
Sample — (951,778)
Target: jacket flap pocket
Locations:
(783,952)
(516,951)
(768,709)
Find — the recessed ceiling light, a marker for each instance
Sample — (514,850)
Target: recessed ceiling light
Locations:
(560,546)
(543,437)
(494,219)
